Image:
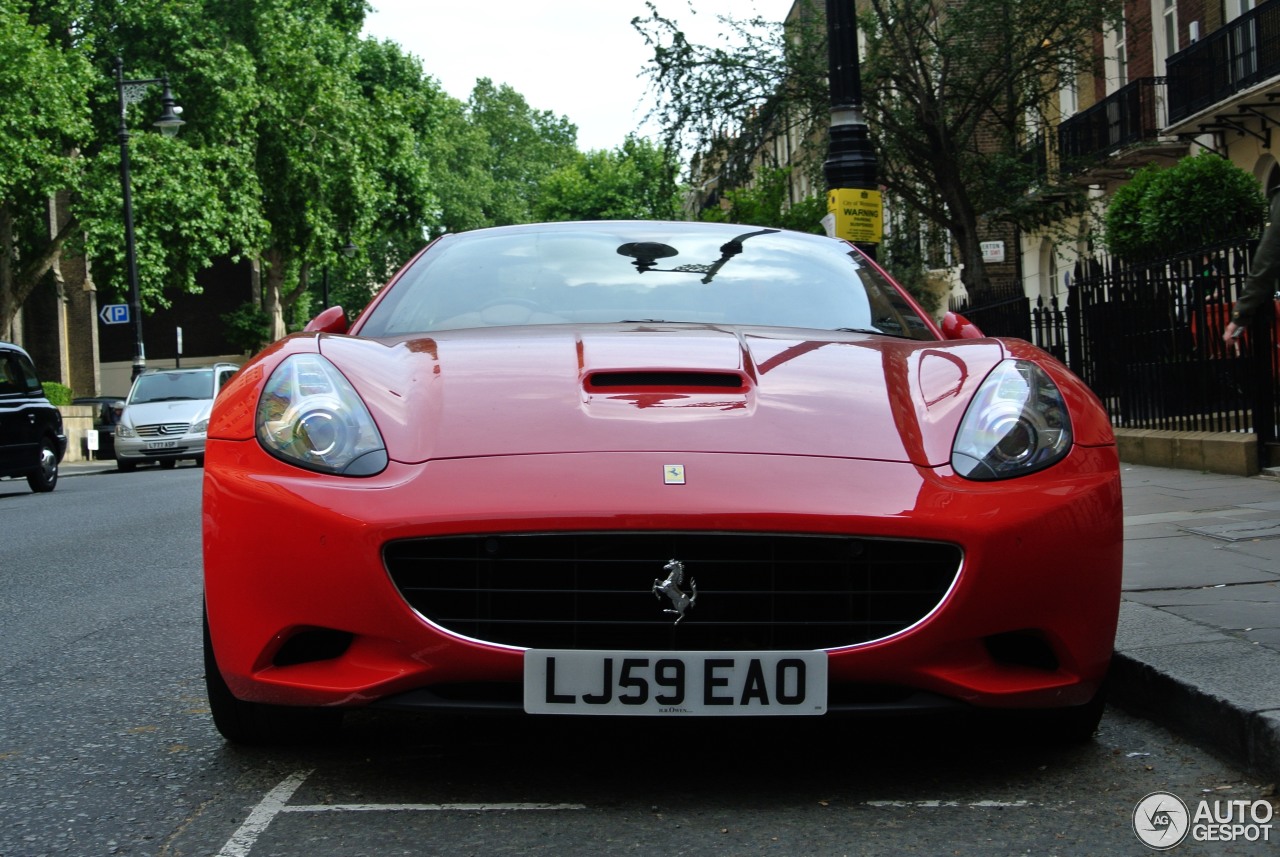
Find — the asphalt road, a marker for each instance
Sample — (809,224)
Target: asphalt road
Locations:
(106,746)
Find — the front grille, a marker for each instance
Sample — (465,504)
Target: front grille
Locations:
(163,430)
(595,590)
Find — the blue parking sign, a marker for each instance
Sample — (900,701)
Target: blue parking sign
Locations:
(114,314)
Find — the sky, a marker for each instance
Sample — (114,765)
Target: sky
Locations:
(577,58)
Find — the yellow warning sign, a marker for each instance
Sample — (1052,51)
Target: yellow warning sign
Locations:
(859,214)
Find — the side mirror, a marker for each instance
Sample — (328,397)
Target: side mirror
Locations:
(332,320)
(956,326)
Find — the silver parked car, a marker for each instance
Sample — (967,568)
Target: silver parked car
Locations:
(166,416)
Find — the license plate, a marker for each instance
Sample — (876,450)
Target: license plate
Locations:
(161,444)
(675,684)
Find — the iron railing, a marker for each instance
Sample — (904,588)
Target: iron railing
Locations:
(1147,339)
(1231,59)
(1127,116)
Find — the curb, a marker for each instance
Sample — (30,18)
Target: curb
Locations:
(1220,691)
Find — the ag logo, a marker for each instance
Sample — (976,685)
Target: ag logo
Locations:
(1161,820)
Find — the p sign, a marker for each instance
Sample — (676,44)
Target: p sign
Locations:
(114,314)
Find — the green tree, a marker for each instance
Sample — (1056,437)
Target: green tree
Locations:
(44,114)
(1196,202)
(954,94)
(193,196)
(523,147)
(635,181)
(764,203)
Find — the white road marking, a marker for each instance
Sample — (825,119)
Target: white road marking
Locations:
(277,800)
(934,804)
(433,807)
(241,842)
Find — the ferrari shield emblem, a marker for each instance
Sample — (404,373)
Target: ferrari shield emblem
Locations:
(673,474)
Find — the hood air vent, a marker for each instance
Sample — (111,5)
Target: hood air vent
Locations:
(666,380)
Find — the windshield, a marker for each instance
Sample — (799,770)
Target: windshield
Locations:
(671,273)
(171,387)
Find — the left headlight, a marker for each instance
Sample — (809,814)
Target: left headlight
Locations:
(311,416)
(1016,424)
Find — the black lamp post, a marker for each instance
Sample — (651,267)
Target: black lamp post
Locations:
(349,251)
(853,191)
(131,92)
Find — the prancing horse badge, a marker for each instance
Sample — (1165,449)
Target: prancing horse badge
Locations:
(671,588)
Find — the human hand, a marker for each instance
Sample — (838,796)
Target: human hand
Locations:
(1231,336)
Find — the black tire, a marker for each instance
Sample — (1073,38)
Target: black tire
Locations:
(255,723)
(1062,727)
(199,461)
(125,466)
(169,463)
(46,478)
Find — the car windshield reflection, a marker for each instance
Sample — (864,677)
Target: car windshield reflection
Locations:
(598,274)
(172,387)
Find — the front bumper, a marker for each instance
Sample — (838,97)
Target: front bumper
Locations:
(294,556)
(138,450)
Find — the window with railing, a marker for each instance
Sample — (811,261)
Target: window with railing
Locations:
(1127,116)
(1231,59)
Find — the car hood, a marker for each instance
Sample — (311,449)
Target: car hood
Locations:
(182,411)
(661,388)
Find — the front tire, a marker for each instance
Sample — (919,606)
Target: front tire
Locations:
(1061,727)
(125,466)
(46,478)
(255,723)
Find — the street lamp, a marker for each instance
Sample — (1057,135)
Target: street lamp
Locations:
(131,92)
(854,206)
(349,251)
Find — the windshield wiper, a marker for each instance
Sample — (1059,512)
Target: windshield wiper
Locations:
(873,331)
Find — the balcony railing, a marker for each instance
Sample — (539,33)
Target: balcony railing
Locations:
(1127,116)
(1229,60)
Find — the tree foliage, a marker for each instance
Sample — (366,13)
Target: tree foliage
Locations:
(1196,202)
(764,203)
(954,94)
(522,146)
(44,111)
(718,104)
(636,181)
(302,139)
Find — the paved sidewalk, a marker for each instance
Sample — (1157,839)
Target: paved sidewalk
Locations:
(1198,647)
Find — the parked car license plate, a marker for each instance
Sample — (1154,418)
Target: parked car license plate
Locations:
(161,444)
(707,684)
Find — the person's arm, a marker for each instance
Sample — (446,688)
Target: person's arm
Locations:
(1263,270)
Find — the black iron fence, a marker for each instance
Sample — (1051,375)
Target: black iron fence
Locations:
(1147,339)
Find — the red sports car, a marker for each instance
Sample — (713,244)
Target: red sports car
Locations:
(655,469)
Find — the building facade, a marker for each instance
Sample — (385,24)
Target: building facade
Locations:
(1178,77)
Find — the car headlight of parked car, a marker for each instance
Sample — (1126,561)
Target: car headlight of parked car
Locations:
(200,426)
(311,416)
(125,430)
(1015,425)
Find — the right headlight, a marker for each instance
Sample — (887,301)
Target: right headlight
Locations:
(311,416)
(1016,424)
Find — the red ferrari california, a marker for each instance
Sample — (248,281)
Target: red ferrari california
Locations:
(656,470)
